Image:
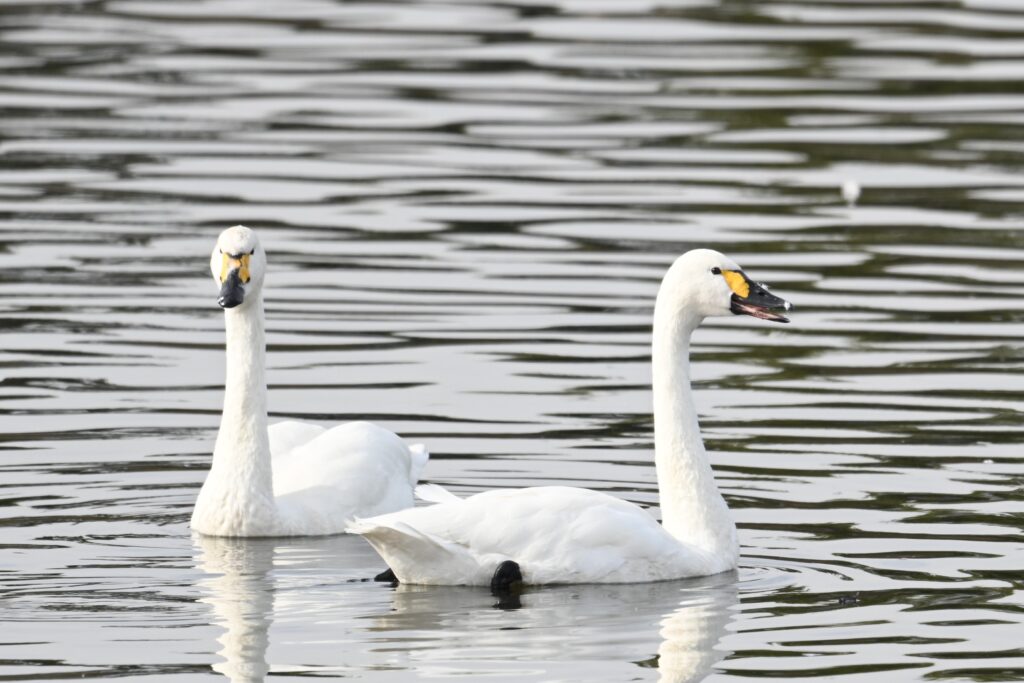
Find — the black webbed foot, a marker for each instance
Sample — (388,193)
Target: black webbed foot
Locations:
(387,576)
(507,601)
(507,577)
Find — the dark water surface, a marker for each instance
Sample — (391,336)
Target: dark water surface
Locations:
(468,208)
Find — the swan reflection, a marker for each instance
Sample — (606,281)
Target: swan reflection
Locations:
(691,634)
(587,623)
(342,625)
(241,592)
(308,582)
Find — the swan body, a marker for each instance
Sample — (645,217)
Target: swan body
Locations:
(292,478)
(559,534)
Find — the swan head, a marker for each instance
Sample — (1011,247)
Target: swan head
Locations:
(237,264)
(706,283)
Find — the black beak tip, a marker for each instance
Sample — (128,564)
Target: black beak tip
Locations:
(766,306)
(231,292)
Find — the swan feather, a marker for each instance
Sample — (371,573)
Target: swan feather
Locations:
(557,534)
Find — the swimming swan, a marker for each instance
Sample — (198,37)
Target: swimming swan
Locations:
(558,534)
(293,478)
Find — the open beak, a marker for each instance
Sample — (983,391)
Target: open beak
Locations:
(752,298)
(234,273)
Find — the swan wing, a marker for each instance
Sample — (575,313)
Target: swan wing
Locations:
(290,434)
(418,456)
(557,534)
(420,554)
(347,471)
(432,493)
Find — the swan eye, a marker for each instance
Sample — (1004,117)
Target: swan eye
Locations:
(716,271)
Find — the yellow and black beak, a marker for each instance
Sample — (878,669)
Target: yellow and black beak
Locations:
(752,298)
(234,272)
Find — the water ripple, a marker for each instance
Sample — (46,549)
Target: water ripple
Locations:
(468,209)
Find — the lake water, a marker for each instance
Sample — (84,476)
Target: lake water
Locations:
(468,208)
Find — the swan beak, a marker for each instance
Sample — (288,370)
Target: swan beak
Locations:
(754,299)
(234,272)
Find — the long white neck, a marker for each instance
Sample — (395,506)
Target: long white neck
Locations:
(692,508)
(238,497)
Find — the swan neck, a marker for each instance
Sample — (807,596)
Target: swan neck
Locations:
(692,507)
(245,388)
(242,452)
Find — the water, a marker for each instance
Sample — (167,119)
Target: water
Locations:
(468,208)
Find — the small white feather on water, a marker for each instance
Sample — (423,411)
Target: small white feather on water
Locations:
(850,192)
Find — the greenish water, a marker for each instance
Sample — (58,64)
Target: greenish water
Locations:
(468,208)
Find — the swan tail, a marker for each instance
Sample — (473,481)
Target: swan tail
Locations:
(432,493)
(418,456)
(418,557)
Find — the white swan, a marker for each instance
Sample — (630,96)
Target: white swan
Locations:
(293,478)
(558,534)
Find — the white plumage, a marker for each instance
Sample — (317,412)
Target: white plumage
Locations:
(293,478)
(353,469)
(559,534)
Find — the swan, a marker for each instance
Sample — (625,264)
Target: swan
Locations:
(560,534)
(293,478)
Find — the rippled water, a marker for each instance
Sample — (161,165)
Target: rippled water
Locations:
(468,208)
